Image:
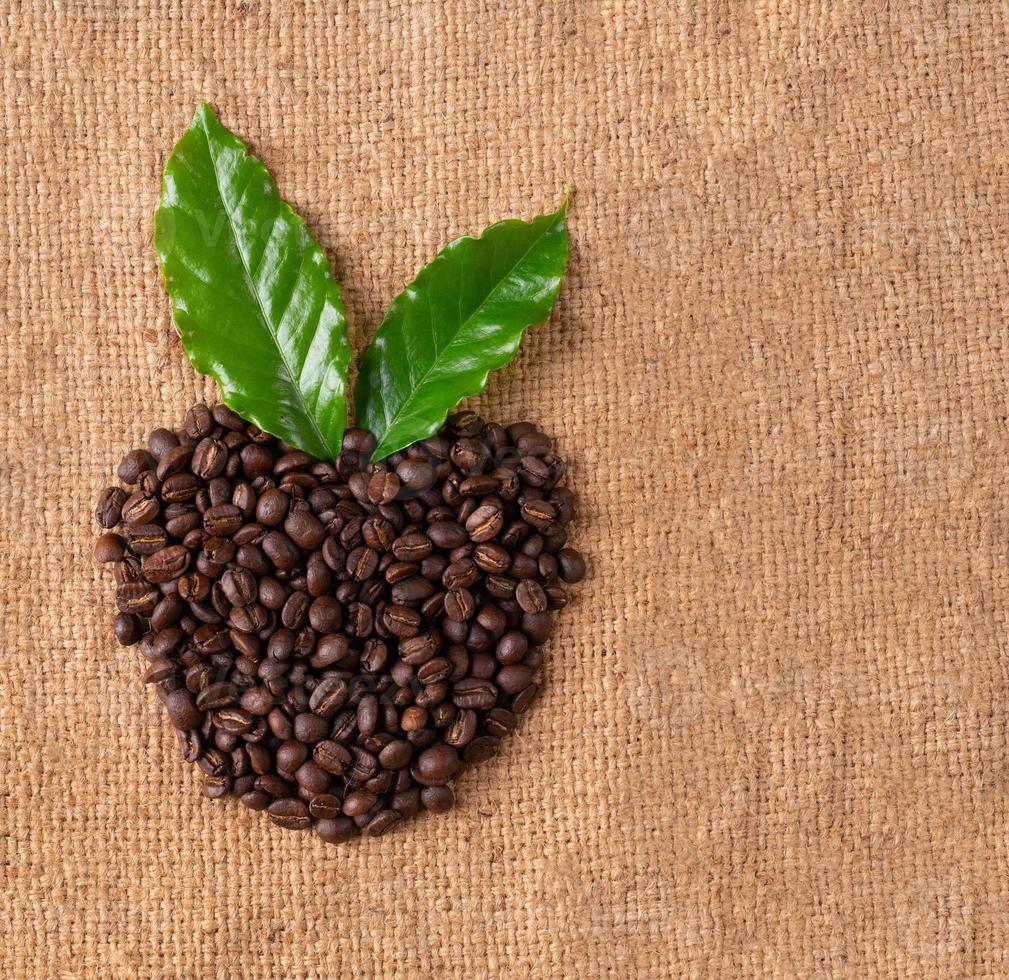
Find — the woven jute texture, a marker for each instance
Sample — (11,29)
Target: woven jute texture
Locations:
(772,736)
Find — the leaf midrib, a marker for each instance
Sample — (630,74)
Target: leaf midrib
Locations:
(462,326)
(252,284)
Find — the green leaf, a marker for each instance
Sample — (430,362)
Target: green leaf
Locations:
(462,317)
(255,301)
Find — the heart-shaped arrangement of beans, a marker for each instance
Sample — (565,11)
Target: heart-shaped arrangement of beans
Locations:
(334,641)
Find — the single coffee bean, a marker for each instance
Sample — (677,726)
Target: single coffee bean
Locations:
(146,539)
(134,463)
(325,614)
(416,474)
(460,605)
(290,813)
(305,529)
(325,806)
(109,511)
(182,710)
(335,831)
(161,441)
(210,456)
(222,520)
(331,756)
(174,461)
(272,507)
(328,697)
(383,488)
(463,729)
(140,508)
(411,591)
(165,565)
(216,696)
(199,422)
(412,547)
(127,629)
(512,647)
(572,565)
(312,778)
(530,596)
(437,799)
(109,547)
(418,649)
(473,692)
(137,597)
(485,523)
(180,487)
(281,550)
(402,621)
(362,563)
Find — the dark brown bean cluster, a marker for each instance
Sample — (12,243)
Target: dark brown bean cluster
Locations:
(334,641)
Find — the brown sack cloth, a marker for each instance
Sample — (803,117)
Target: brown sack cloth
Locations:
(772,737)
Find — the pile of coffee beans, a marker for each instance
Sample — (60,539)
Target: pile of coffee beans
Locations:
(333,641)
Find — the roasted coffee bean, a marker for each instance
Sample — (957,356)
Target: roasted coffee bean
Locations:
(109,547)
(485,523)
(436,764)
(182,710)
(383,487)
(167,564)
(362,563)
(328,697)
(481,749)
(161,441)
(412,547)
(437,799)
(281,550)
(216,696)
(108,512)
(460,605)
(374,656)
(174,461)
(418,649)
(140,508)
(199,422)
(127,629)
(325,614)
(572,565)
(240,586)
(411,591)
(402,621)
(290,812)
(193,586)
(209,458)
(146,539)
(416,474)
(180,487)
(381,822)
(133,464)
(222,520)
(331,756)
(378,534)
(474,692)
(530,596)
(137,597)
(304,529)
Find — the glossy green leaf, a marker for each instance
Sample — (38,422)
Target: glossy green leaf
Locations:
(462,317)
(255,301)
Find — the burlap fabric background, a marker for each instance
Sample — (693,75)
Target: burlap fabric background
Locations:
(773,733)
